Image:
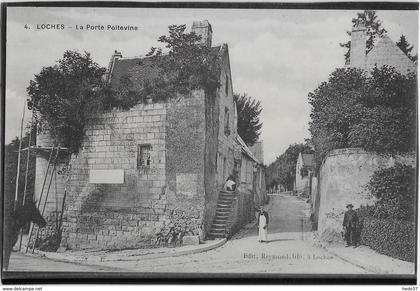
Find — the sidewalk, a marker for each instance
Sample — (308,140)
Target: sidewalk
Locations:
(370,260)
(91,256)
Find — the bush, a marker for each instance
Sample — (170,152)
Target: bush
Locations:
(65,96)
(395,238)
(375,111)
(395,189)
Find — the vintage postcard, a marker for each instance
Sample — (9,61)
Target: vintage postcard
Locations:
(151,140)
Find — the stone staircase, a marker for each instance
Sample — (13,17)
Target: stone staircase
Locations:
(224,202)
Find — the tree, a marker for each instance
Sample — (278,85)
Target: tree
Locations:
(376,112)
(335,108)
(284,167)
(395,189)
(65,95)
(406,48)
(187,65)
(249,125)
(374,30)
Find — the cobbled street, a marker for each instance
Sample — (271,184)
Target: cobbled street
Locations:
(290,250)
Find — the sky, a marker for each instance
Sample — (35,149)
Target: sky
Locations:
(277,56)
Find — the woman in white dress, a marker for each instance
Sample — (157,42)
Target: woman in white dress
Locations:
(262,226)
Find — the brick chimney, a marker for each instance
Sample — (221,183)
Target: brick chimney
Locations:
(117,55)
(358,46)
(203,29)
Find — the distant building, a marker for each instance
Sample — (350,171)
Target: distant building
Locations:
(305,166)
(158,167)
(385,52)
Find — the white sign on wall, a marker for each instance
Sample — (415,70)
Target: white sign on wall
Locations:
(106,176)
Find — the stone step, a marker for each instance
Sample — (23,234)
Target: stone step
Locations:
(222,213)
(223,206)
(219,225)
(223,200)
(230,196)
(217,229)
(226,204)
(220,220)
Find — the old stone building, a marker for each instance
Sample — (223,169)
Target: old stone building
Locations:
(305,166)
(384,52)
(157,168)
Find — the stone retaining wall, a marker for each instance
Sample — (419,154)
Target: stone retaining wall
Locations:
(342,179)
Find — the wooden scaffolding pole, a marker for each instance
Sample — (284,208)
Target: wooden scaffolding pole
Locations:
(26,176)
(18,163)
(40,197)
(63,203)
(46,195)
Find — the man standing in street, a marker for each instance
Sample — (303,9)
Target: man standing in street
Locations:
(350,225)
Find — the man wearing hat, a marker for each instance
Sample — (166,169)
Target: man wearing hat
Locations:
(350,224)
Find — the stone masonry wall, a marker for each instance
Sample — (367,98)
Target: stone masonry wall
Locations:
(185,143)
(118,215)
(342,178)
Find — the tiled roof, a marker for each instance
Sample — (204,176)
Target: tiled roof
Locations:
(386,52)
(245,149)
(138,70)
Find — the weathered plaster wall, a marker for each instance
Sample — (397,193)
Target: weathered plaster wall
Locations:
(260,194)
(212,111)
(342,178)
(185,145)
(227,144)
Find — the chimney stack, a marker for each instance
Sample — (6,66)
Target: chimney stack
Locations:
(358,46)
(117,55)
(203,29)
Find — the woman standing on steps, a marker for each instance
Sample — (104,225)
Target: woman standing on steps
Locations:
(262,225)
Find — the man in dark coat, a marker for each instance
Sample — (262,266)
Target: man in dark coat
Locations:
(350,225)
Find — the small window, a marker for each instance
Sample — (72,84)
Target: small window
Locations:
(143,155)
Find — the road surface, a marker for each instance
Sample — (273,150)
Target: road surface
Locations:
(290,250)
